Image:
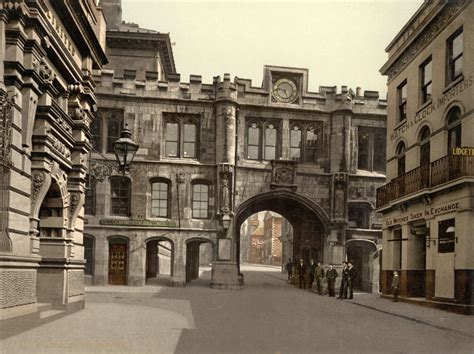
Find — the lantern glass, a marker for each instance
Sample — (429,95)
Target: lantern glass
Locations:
(125,149)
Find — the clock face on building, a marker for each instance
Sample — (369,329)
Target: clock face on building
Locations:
(285,90)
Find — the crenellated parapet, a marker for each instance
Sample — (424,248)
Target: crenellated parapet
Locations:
(326,99)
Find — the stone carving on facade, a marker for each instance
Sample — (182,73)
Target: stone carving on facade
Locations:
(6,163)
(75,205)
(180,177)
(60,147)
(284,174)
(5,131)
(79,114)
(451,10)
(37,182)
(62,123)
(225,194)
(75,199)
(99,170)
(45,72)
(340,186)
(61,179)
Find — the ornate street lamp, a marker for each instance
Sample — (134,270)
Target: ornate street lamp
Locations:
(125,149)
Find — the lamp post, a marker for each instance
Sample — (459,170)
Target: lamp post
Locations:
(125,149)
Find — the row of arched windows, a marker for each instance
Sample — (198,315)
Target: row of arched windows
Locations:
(159,202)
(454,128)
(264,141)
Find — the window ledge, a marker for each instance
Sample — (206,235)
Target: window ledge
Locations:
(453,83)
(399,124)
(424,105)
(151,218)
(369,173)
(180,160)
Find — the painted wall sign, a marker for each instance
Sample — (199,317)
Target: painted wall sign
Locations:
(464,151)
(149,223)
(426,213)
(435,105)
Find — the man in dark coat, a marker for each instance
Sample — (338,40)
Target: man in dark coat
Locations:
(343,288)
(331,276)
(395,286)
(289,268)
(319,277)
(302,274)
(351,276)
(312,268)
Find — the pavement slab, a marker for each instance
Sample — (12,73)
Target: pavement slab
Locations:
(267,316)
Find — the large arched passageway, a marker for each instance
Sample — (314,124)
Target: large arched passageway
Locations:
(309,222)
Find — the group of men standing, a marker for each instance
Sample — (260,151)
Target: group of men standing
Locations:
(317,274)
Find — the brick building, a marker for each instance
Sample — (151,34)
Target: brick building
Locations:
(272,227)
(427,205)
(48,50)
(257,244)
(213,154)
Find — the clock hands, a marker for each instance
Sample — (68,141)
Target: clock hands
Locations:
(285,91)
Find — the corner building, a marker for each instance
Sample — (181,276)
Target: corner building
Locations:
(427,205)
(48,50)
(213,154)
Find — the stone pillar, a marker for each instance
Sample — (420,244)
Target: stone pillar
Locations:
(136,262)
(178,277)
(101,276)
(225,268)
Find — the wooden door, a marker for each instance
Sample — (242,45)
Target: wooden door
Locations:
(118,264)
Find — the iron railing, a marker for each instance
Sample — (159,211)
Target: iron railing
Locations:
(445,169)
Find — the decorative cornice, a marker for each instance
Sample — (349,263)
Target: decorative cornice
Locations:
(451,10)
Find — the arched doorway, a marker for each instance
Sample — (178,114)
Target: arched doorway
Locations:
(52,274)
(198,249)
(364,256)
(309,223)
(118,261)
(159,261)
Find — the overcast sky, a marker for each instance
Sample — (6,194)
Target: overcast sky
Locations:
(340,42)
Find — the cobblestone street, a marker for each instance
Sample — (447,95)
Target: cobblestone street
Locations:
(268,316)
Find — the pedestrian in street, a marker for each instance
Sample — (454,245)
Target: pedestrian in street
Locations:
(395,286)
(351,276)
(289,269)
(302,274)
(331,276)
(312,269)
(319,277)
(343,288)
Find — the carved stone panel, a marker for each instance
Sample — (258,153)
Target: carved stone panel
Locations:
(284,174)
(5,131)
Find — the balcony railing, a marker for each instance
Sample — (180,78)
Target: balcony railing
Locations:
(445,169)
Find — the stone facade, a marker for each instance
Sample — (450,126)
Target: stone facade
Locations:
(427,206)
(48,50)
(213,154)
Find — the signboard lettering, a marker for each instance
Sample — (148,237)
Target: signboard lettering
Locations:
(432,107)
(433,211)
(146,223)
